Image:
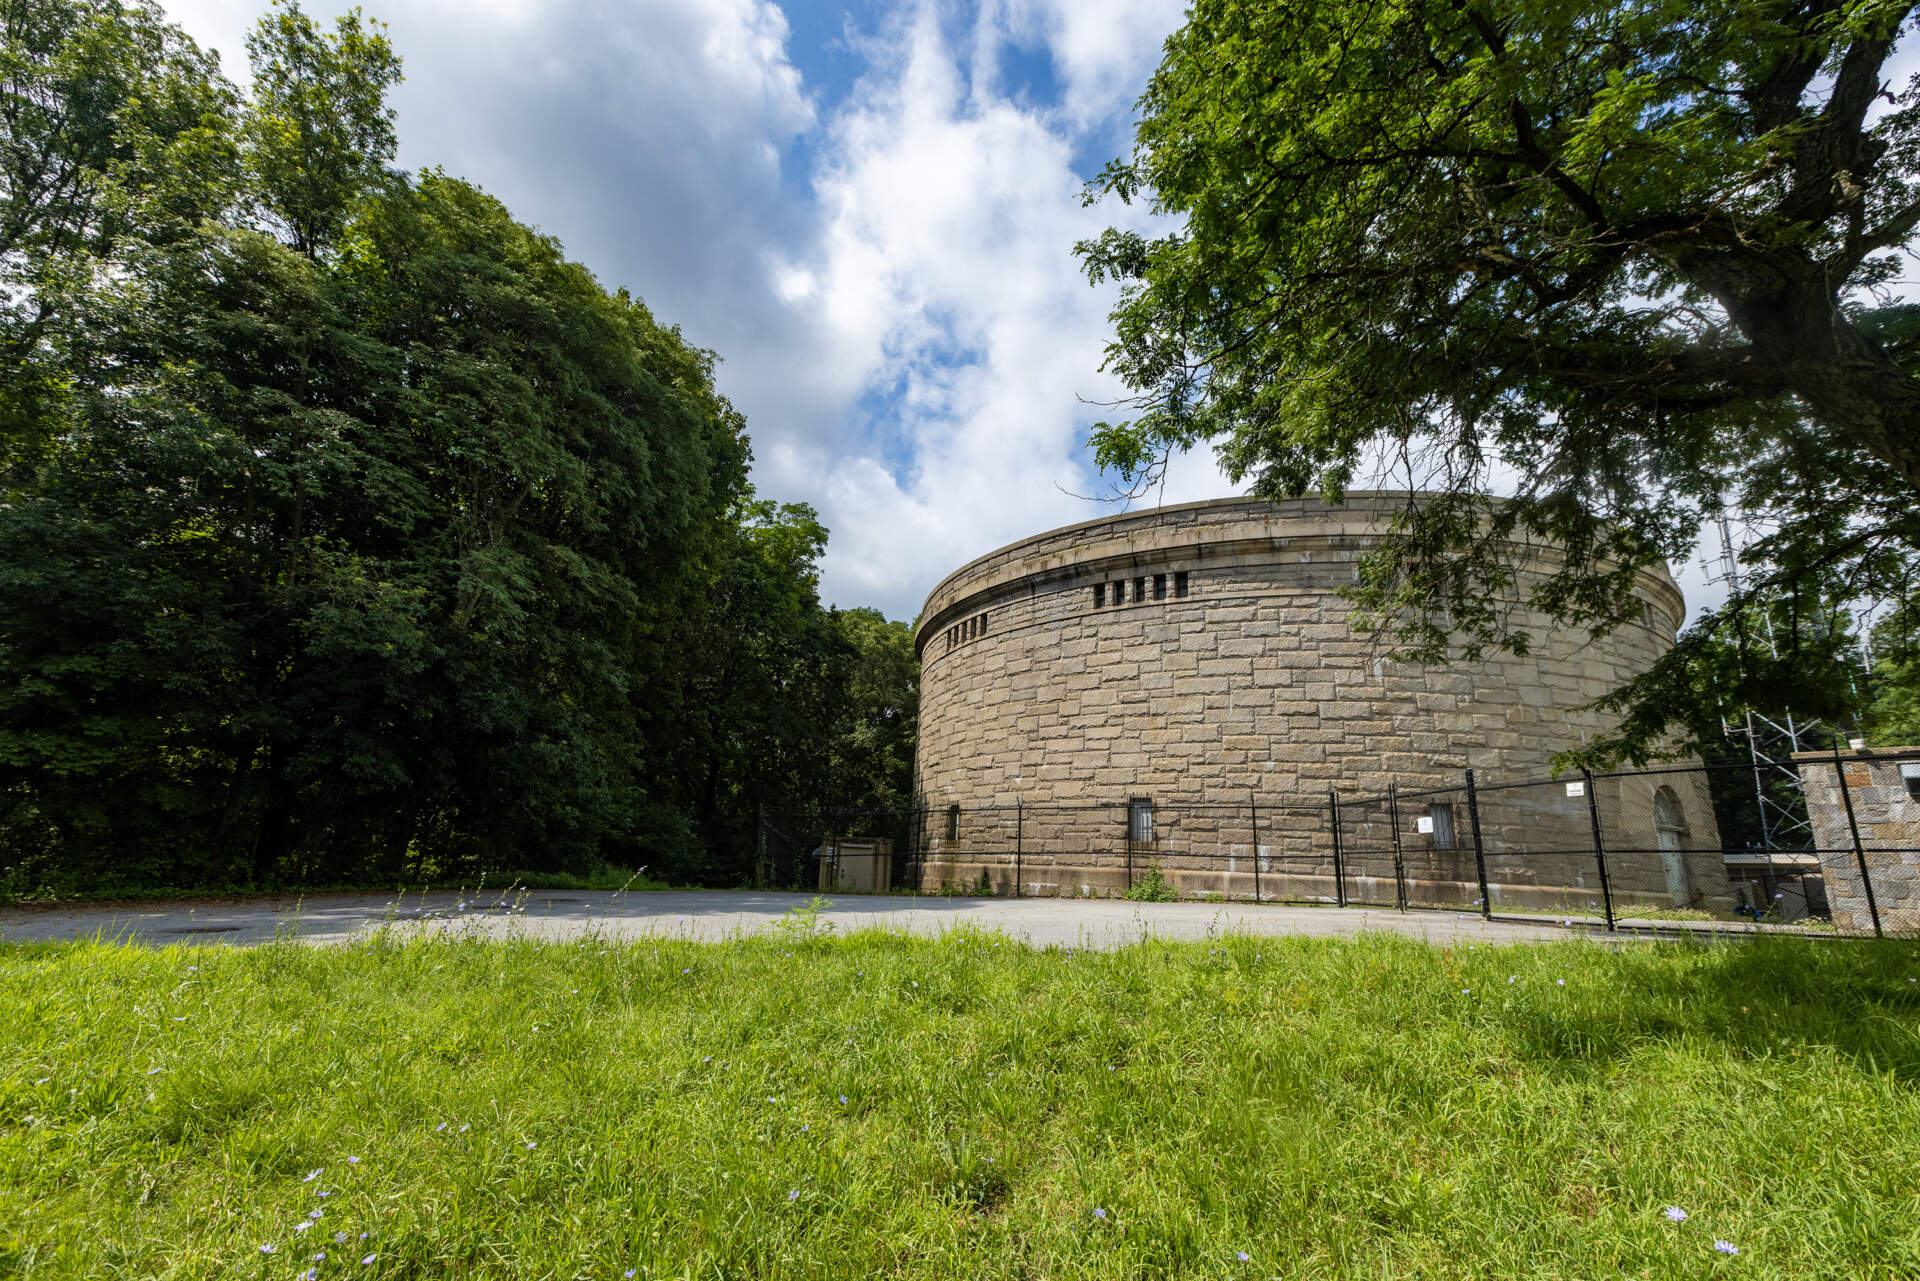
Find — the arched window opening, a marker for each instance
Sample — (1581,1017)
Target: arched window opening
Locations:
(1670,833)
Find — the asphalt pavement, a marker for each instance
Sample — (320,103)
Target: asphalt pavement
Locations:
(713,915)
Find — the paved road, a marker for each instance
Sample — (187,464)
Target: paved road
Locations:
(716,914)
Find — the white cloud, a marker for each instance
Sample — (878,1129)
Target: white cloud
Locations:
(1104,52)
(946,280)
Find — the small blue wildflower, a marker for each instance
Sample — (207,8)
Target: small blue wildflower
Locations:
(1726,1247)
(311,1176)
(1675,1214)
(794,1195)
(369,1259)
(269,1249)
(1099,1213)
(1243,1256)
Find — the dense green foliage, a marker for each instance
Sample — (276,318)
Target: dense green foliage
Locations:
(962,1107)
(1892,714)
(1624,261)
(349,531)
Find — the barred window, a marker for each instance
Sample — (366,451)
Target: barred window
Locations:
(1140,819)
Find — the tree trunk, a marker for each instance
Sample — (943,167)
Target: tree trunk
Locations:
(1785,306)
(272,839)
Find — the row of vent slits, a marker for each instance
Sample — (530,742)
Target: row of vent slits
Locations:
(1117,592)
(962,632)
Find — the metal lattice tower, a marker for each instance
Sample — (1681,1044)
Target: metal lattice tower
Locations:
(1771,741)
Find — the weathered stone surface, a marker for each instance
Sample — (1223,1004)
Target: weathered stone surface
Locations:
(1254,689)
(1886,818)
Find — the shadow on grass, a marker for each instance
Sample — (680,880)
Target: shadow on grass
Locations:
(1761,996)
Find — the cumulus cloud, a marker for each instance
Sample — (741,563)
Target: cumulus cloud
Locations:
(947,299)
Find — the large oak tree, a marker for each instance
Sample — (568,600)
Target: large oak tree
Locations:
(1628,263)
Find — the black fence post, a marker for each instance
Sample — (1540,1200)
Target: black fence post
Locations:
(1479,847)
(1599,847)
(1019,842)
(1399,867)
(1253,812)
(1339,876)
(1859,850)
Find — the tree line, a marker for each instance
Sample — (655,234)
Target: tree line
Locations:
(351,533)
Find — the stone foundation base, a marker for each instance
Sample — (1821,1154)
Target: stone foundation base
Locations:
(1063,880)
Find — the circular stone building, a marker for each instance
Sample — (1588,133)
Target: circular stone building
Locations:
(1183,689)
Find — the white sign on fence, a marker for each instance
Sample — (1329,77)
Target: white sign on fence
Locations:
(1577,788)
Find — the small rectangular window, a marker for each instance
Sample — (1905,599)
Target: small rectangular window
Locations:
(1910,775)
(983,624)
(1442,815)
(1120,592)
(1139,590)
(1180,583)
(953,822)
(1099,595)
(1159,586)
(1140,819)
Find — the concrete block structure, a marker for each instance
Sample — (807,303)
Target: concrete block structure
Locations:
(1882,786)
(1184,686)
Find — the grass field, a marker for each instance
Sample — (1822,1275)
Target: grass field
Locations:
(793,1106)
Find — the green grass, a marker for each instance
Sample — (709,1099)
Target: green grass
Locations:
(1331,1109)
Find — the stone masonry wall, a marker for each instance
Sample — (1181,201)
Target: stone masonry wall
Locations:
(1253,689)
(1888,818)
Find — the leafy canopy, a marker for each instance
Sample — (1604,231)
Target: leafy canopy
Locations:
(1625,262)
(352,533)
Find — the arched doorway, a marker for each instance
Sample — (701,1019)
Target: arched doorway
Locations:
(1670,827)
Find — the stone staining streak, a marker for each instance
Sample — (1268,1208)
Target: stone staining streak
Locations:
(1202,654)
